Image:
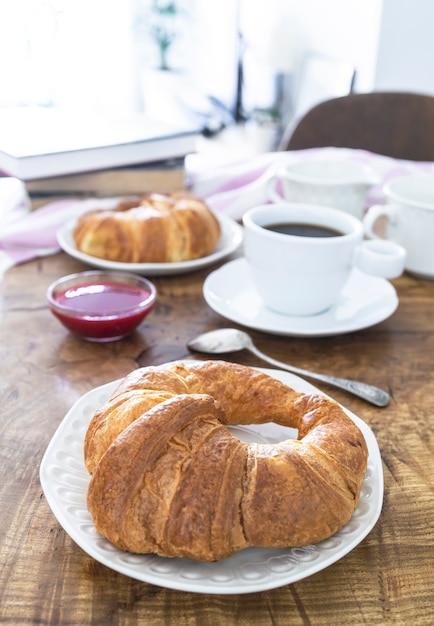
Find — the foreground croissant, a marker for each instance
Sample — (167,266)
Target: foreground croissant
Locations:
(156,228)
(169,478)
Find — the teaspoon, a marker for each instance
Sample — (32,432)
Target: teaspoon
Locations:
(226,340)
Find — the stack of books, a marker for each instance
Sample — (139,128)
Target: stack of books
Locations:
(55,151)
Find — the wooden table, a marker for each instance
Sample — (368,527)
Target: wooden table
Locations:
(47,579)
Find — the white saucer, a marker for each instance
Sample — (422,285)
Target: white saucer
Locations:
(365,301)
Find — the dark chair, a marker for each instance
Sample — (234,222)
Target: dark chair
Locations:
(399,125)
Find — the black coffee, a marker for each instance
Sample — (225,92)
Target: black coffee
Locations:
(303,230)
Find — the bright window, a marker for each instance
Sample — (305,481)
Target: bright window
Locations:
(91,54)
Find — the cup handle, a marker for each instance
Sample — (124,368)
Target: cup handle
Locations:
(373,214)
(271,190)
(380,257)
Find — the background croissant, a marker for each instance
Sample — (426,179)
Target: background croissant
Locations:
(153,229)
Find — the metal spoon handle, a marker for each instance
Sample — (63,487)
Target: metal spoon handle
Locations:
(372,394)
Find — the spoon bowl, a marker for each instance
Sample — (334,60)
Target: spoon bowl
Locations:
(226,340)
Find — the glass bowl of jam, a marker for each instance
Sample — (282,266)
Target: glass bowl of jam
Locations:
(101,306)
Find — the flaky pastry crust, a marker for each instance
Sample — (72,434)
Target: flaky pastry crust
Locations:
(168,476)
(153,229)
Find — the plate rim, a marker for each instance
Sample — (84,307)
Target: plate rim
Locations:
(195,585)
(231,230)
(288,331)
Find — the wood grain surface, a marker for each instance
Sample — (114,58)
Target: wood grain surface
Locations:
(45,578)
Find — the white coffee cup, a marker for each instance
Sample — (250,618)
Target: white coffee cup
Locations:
(339,184)
(409,215)
(305,275)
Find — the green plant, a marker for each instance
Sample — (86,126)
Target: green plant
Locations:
(163,28)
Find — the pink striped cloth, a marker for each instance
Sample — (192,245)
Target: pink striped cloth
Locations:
(235,187)
(26,235)
(229,188)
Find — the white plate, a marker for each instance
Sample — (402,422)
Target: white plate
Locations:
(365,301)
(64,480)
(230,239)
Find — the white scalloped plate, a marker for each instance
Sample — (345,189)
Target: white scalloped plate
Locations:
(230,240)
(64,480)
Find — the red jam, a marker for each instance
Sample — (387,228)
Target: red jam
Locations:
(103,310)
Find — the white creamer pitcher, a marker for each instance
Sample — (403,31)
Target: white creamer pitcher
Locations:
(338,184)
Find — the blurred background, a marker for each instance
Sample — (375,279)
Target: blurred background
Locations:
(259,63)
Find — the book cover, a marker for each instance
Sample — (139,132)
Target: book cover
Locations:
(159,177)
(40,143)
